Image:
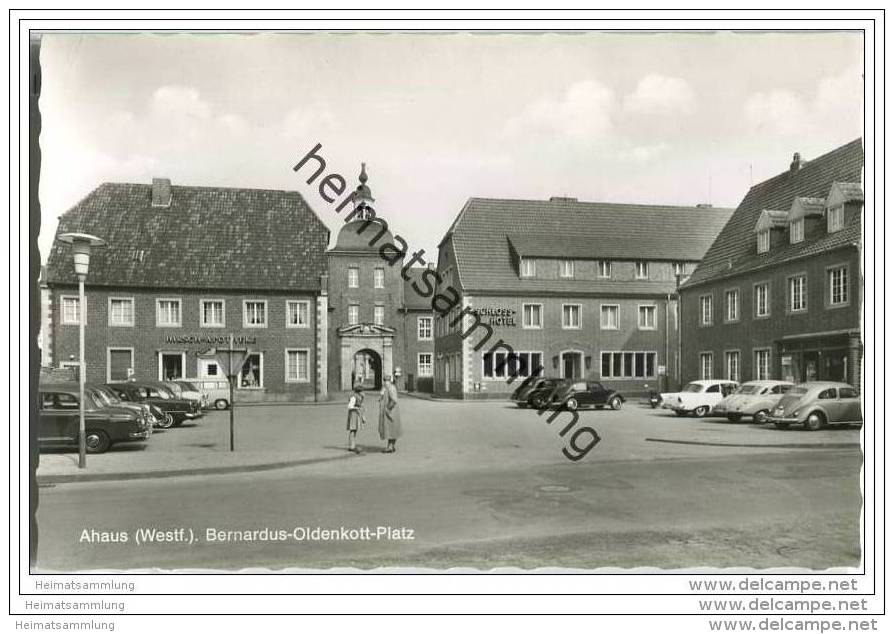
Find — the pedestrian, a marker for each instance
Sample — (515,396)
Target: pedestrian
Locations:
(389,415)
(355,417)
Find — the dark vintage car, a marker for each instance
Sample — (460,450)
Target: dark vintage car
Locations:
(522,394)
(59,420)
(107,396)
(161,397)
(545,393)
(593,394)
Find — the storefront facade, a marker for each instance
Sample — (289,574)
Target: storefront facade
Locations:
(561,285)
(779,294)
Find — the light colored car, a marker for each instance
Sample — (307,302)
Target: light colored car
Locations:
(754,399)
(816,404)
(700,397)
(215,391)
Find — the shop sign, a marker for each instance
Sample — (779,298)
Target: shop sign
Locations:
(786,360)
(496,316)
(210,339)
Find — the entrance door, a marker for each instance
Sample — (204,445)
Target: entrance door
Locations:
(572,363)
(170,366)
(834,366)
(810,367)
(367,370)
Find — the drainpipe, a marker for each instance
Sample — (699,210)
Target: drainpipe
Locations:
(679,333)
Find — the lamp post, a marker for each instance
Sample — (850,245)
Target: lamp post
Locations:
(81,244)
(232,360)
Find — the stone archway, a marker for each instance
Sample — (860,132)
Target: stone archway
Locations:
(370,342)
(367,369)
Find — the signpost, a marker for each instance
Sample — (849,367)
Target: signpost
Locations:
(231,360)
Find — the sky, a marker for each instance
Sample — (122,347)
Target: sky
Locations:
(677,119)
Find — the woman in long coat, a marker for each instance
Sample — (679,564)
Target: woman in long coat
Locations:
(389,415)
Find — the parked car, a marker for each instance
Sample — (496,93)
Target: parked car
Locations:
(103,395)
(816,404)
(700,397)
(590,394)
(179,390)
(522,393)
(754,399)
(160,396)
(216,391)
(59,420)
(546,393)
(188,389)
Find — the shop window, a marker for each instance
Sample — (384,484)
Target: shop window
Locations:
(297,364)
(255,314)
(379,315)
(837,286)
(297,314)
(70,309)
(528,267)
(642,270)
(213,313)
(423,364)
(797,293)
(732,365)
(167,313)
(835,220)
(566,268)
(571,316)
(706,310)
(532,315)
(170,366)
(121,311)
(628,365)
(706,365)
(731,302)
(610,316)
(647,316)
(604,269)
(423,328)
(503,365)
(252,374)
(761,300)
(353,277)
(796,231)
(762,364)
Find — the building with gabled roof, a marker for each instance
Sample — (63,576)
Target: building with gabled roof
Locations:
(583,289)
(778,294)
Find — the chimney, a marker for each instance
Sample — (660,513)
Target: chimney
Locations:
(797,163)
(562,199)
(704,206)
(430,266)
(161,192)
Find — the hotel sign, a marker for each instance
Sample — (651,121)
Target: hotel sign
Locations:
(496,316)
(210,339)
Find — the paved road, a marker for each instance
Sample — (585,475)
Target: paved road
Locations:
(788,508)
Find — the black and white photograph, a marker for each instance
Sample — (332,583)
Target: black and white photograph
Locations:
(466,301)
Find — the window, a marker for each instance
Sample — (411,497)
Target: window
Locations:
(379,277)
(762,364)
(423,364)
(647,317)
(353,314)
(566,268)
(706,313)
(423,328)
(121,311)
(70,307)
(796,231)
(706,365)
(502,365)
(609,316)
(353,277)
(604,268)
(678,268)
(255,314)
(732,365)
(528,267)
(731,301)
(532,315)
(837,285)
(297,363)
(761,300)
(642,270)
(297,313)
(379,315)
(119,365)
(167,312)
(847,392)
(835,220)
(628,365)
(252,374)
(213,315)
(827,394)
(570,315)
(763,241)
(797,293)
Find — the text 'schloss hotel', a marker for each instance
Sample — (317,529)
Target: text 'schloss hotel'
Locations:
(634,295)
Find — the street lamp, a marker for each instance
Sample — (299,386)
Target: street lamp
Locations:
(81,243)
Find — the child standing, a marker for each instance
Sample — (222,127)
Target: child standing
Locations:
(355,417)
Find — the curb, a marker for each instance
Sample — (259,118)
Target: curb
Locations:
(64,478)
(821,445)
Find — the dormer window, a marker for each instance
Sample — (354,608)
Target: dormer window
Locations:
(763,241)
(642,270)
(796,231)
(528,267)
(835,220)
(566,268)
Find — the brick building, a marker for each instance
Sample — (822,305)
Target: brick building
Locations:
(583,289)
(185,268)
(778,294)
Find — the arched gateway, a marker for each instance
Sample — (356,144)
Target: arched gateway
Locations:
(366,355)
